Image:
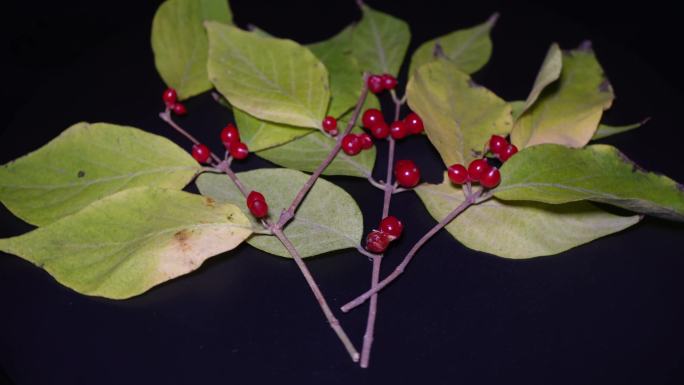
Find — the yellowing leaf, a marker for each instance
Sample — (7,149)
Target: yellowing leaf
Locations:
(123,245)
(380,41)
(87,162)
(549,73)
(261,134)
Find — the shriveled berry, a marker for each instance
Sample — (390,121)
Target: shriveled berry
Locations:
(491,178)
(375,84)
(351,144)
(406,173)
(398,130)
(170,97)
(458,174)
(230,134)
(329,124)
(255,196)
(477,168)
(238,150)
(201,153)
(380,130)
(413,123)
(371,117)
(391,226)
(258,208)
(366,141)
(508,152)
(388,81)
(497,144)
(179,109)
(377,242)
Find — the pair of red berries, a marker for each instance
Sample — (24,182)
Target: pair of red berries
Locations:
(500,147)
(379,83)
(374,121)
(378,240)
(230,137)
(170,98)
(352,144)
(256,203)
(406,173)
(478,171)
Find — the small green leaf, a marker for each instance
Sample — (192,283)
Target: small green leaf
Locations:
(87,162)
(556,174)
(131,241)
(520,229)
(459,115)
(469,49)
(568,111)
(261,134)
(327,220)
(605,130)
(179,42)
(380,41)
(269,78)
(550,72)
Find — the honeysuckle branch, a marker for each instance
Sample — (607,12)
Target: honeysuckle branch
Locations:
(471,199)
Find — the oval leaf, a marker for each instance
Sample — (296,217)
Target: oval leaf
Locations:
(520,229)
(327,220)
(179,42)
(556,174)
(86,163)
(380,42)
(459,115)
(269,78)
(550,72)
(131,241)
(261,134)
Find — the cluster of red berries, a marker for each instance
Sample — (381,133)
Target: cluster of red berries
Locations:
(352,144)
(170,98)
(230,137)
(378,240)
(379,83)
(256,203)
(373,120)
(479,170)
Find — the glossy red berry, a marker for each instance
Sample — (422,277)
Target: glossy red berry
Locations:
(351,144)
(497,144)
(477,168)
(371,117)
(238,150)
(377,242)
(388,81)
(329,124)
(230,134)
(491,178)
(391,226)
(201,153)
(366,141)
(458,174)
(413,123)
(170,97)
(179,109)
(375,84)
(255,196)
(398,130)
(258,208)
(508,153)
(380,130)
(406,173)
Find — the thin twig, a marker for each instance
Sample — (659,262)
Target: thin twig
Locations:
(166,116)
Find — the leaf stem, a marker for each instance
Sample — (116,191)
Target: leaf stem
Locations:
(166,116)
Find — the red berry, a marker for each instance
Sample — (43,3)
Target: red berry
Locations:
(406,172)
(377,242)
(388,81)
(329,124)
(179,109)
(508,153)
(201,153)
(497,144)
(230,134)
(255,196)
(238,150)
(366,141)
(391,226)
(380,130)
(371,117)
(398,130)
(258,208)
(169,96)
(491,178)
(351,144)
(458,174)
(414,123)
(477,168)
(375,84)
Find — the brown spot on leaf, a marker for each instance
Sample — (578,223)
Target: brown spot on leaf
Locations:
(438,52)
(605,86)
(183,237)
(80,174)
(210,202)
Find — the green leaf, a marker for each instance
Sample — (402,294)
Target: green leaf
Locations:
(269,78)
(550,72)
(261,134)
(469,49)
(180,45)
(517,107)
(327,220)
(520,229)
(380,41)
(459,115)
(605,130)
(131,241)
(88,162)
(556,174)
(567,112)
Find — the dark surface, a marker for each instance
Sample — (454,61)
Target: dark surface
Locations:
(610,312)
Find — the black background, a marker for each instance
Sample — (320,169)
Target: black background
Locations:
(609,312)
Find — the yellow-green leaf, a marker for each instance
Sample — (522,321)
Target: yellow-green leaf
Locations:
(550,72)
(87,162)
(605,130)
(380,41)
(131,241)
(269,78)
(179,42)
(261,134)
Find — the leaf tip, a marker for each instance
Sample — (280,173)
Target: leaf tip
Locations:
(493,19)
